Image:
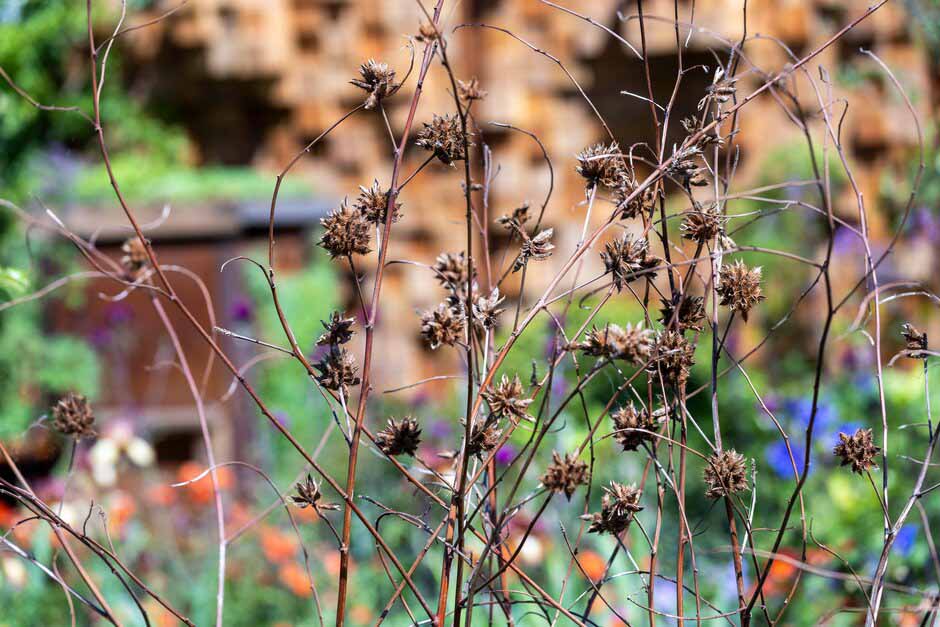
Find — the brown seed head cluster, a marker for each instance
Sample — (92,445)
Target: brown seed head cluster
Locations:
(484,436)
(684,167)
(628,418)
(443,137)
(400,437)
(739,287)
(514,221)
(451,270)
(309,495)
(442,326)
(72,416)
(378,79)
(857,450)
(135,257)
(346,232)
(631,206)
(672,356)
(600,164)
(618,506)
(703,224)
(915,341)
(565,474)
(538,248)
(470,90)
(725,474)
(338,330)
(625,256)
(631,343)
(337,370)
(683,312)
(507,400)
(372,203)
(486,310)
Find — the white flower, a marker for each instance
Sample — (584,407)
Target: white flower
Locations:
(118,441)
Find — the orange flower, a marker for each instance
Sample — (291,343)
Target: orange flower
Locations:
(278,546)
(331,563)
(360,614)
(295,579)
(200,491)
(161,495)
(593,564)
(121,510)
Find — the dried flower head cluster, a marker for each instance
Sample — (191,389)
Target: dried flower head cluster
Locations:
(672,357)
(857,450)
(538,248)
(486,310)
(565,474)
(451,270)
(739,287)
(627,255)
(684,167)
(470,90)
(346,232)
(703,224)
(725,474)
(915,341)
(682,312)
(399,437)
(309,495)
(506,399)
(443,136)
(378,79)
(630,202)
(516,220)
(484,436)
(443,325)
(628,419)
(372,203)
(135,257)
(600,164)
(72,416)
(632,343)
(337,370)
(618,506)
(337,330)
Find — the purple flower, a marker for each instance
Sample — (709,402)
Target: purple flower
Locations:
(506,454)
(440,429)
(282,418)
(801,409)
(242,310)
(119,313)
(779,459)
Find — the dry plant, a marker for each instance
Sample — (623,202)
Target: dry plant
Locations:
(690,303)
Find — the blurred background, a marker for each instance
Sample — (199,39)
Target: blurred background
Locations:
(203,108)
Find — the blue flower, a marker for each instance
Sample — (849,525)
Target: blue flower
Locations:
(779,459)
(907,536)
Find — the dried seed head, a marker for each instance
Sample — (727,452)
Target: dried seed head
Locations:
(721,90)
(443,325)
(625,256)
(338,330)
(451,270)
(628,418)
(486,311)
(309,495)
(515,220)
(739,287)
(378,79)
(600,164)
(426,33)
(72,415)
(618,506)
(506,400)
(725,474)
(702,225)
(565,474)
(345,233)
(857,450)
(135,257)
(537,248)
(484,437)
(337,370)
(683,312)
(672,356)
(631,206)
(470,90)
(372,203)
(630,343)
(916,342)
(399,437)
(443,137)
(684,167)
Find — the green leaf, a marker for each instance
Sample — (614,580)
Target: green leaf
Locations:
(13,282)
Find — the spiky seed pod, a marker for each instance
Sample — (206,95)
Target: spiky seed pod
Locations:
(346,232)
(628,418)
(600,164)
(372,203)
(739,287)
(486,311)
(426,33)
(506,400)
(470,90)
(338,330)
(672,356)
(135,257)
(725,474)
(684,167)
(515,220)
(625,256)
(309,495)
(484,437)
(72,416)
(378,79)
(443,137)
(915,341)
(400,437)
(538,248)
(451,270)
(337,370)
(683,312)
(631,206)
(443,325)
(618,507)
(703,225)
(565,474)
(857,450)
(630,343)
